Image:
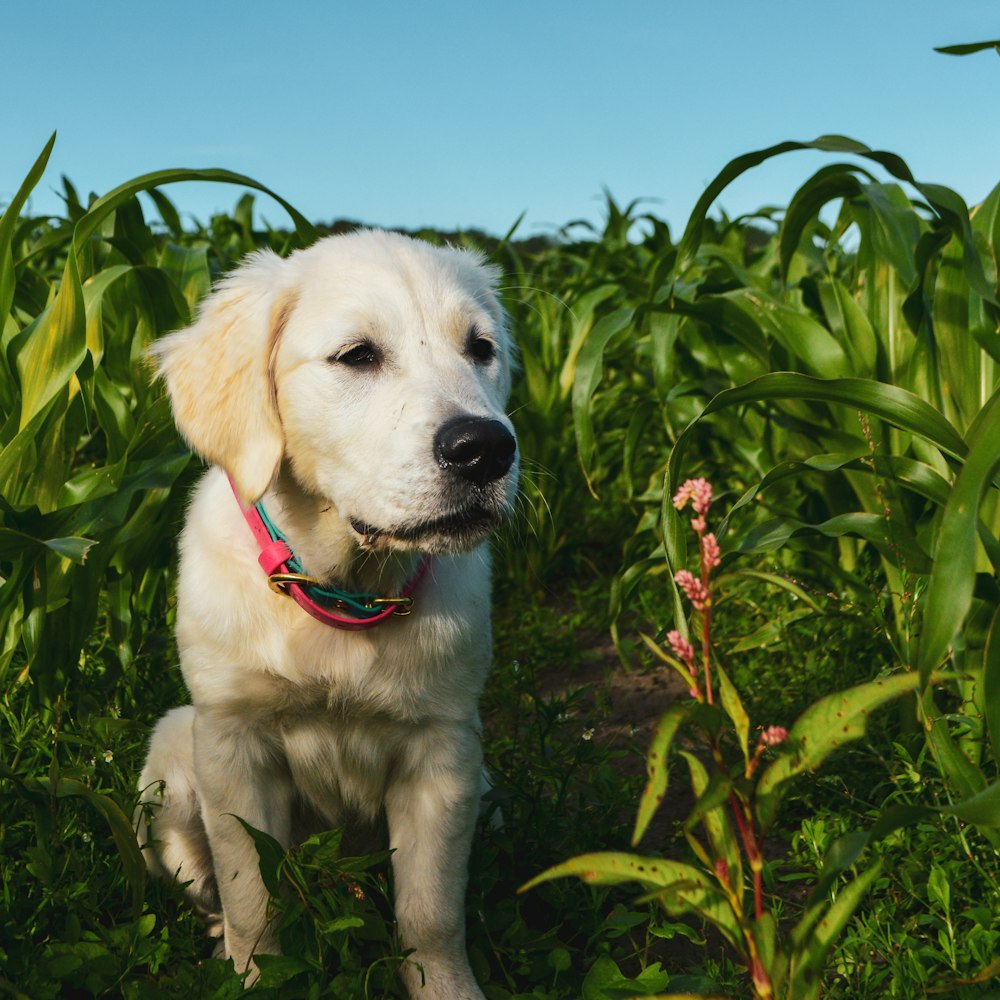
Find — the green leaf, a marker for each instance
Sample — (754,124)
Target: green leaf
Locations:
(958,357)
(339,924)
(94,290)
(605,981)
(588,374)
(188,268)
(810,957)
(8,223)
(15,543)
(50,357)
(765,933)
(582,324)
(118,196)
(893,227)
(13,210)
(981,809)
(796,331)
(991,685)
(732,705)
(963,777)
(896,406)
(679,888)
(616,867)
(825,726)
(841,855)
(270,853)
(120,826)
(656,765)
(892,539)
(277,970)
(850,325)
(949,592)
(969,48)
(830,183)
(771,632)
(711,798)
(951,210)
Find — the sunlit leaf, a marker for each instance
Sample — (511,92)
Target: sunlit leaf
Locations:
(825,726)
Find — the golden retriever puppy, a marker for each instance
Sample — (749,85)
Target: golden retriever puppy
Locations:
(333,614)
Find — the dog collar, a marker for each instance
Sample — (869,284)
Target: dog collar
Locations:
(285,575)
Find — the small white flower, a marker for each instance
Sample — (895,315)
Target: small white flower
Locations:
(86,837)
(588,734)
(108,756)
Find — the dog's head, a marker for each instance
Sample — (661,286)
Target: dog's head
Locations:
(377,366)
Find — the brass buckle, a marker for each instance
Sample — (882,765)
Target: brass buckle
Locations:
(278,581)
(404,605)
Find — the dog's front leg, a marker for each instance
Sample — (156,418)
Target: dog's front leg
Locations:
(431,808)
(240,773)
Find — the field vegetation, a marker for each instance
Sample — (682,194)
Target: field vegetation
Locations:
(782,785)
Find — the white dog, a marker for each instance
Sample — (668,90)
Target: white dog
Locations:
(357,390)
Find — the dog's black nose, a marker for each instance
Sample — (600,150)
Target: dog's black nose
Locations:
(478,449)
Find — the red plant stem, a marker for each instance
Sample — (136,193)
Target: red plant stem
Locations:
(706,631)
(745,825)
(706,620)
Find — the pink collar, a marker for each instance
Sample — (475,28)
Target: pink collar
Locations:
(274,557)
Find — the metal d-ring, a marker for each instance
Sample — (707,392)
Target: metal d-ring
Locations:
(278,581)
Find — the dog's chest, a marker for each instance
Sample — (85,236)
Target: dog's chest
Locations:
(406,670)
(342,755)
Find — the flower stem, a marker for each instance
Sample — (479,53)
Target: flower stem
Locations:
(750,845)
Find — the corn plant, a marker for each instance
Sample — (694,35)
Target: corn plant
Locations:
(88,455)
(862,366)
(564,299)
(900,377)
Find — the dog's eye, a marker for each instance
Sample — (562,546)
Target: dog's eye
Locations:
(481,349)
(360,356)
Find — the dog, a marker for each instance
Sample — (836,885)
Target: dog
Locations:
(350,400)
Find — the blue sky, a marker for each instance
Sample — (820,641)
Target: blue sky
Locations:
(462,114)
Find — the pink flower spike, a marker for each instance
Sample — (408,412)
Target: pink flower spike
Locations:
(710,556)
(698,524)
(699,492)
(693,588)
(773,736)
(683,649)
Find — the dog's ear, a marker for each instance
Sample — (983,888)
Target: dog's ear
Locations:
(219,374)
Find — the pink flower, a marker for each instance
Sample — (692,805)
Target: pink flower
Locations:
(710,557)
(773,736)
(683,649)
(693,588)
(698,523)
(699,492)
